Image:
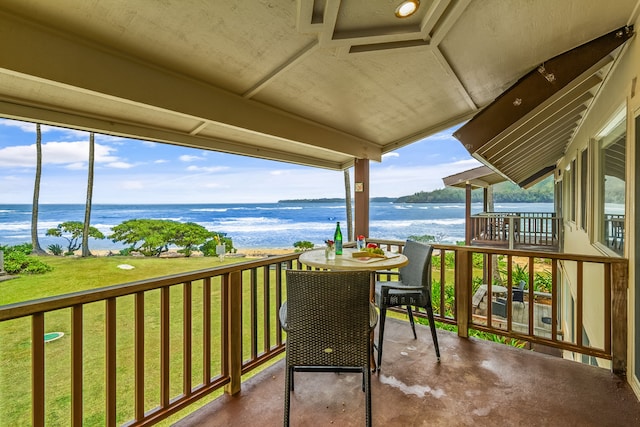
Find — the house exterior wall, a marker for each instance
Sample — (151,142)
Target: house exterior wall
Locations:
(620,90)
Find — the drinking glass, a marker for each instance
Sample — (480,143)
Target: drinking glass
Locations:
(330,253)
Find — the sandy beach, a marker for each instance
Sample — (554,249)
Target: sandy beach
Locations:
(172,253)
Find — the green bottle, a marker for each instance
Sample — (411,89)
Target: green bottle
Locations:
(337,238)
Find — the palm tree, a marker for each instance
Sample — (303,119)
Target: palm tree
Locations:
(35,243)
(87,210)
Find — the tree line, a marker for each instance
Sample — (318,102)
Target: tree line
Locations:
(542,192)
(149,237)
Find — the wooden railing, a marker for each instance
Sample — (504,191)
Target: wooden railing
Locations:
(230,314)
(614,232)
(239,303)
(457,272)
(515,230)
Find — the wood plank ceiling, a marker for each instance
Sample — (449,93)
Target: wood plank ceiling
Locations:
(313,82)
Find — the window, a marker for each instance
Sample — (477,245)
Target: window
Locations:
(612,145)
(571,191)
(584,158)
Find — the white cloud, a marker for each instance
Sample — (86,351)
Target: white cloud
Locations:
(132,185)
(29,127)
(278,172)
(120,165)
(160,161)
(189,158)
(55,153)
(109,138)
(394,181)
(214,185)
(207,169)
(390,155)
(76,166)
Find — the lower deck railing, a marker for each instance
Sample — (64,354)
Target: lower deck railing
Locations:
(155,346)
(525,229)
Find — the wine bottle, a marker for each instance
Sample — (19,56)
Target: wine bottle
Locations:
(337,238)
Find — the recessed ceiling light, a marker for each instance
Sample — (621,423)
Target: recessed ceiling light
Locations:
(407,8)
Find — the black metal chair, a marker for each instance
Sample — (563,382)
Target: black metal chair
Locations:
(518,293)
(499,307)
(412,289)
(328,321)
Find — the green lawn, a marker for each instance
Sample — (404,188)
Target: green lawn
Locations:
(72,274)
(75,274)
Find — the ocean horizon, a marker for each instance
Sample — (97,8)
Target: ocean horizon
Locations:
(255,225)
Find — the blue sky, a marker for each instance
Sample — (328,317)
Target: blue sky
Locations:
(129,171)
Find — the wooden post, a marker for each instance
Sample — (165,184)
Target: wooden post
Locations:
(361,179)
(37,370)
(467,216)
(234,332)
(463,291)
(619,283)
(487,200)
(511,230)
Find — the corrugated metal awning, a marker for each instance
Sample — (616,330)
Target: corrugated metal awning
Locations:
(525,131)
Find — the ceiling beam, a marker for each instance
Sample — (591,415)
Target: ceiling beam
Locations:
(49,57)
(148,133)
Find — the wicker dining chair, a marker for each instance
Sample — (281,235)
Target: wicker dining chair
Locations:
(328,319)
(412,289)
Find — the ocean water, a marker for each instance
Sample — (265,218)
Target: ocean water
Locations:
(256,225)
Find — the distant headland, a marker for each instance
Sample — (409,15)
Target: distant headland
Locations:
(542,192)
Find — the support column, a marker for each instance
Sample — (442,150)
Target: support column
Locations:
(361,178)
(485,200)
(232,286)
(467,215)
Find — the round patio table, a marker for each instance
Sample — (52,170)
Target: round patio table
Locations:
(346,261)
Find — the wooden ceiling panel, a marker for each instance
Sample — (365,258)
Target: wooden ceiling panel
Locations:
(309,81)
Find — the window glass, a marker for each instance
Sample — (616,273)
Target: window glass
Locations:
(572,191)
(583,189)
(613,168)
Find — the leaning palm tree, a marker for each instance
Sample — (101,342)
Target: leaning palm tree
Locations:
(87,209)
(37,249)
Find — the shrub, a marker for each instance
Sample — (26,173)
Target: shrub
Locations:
(543,281)
(189,235)
(55,249)
(17,260)
(151,237)
(72,231)
(209,247)
(25,248)
(302,245)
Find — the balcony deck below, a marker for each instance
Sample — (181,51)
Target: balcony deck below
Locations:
(477,383)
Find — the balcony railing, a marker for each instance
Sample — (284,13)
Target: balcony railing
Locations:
(540,230)
(614,232)
(229,314)
(227,325)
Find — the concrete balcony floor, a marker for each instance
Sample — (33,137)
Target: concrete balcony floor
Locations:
(477,383)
